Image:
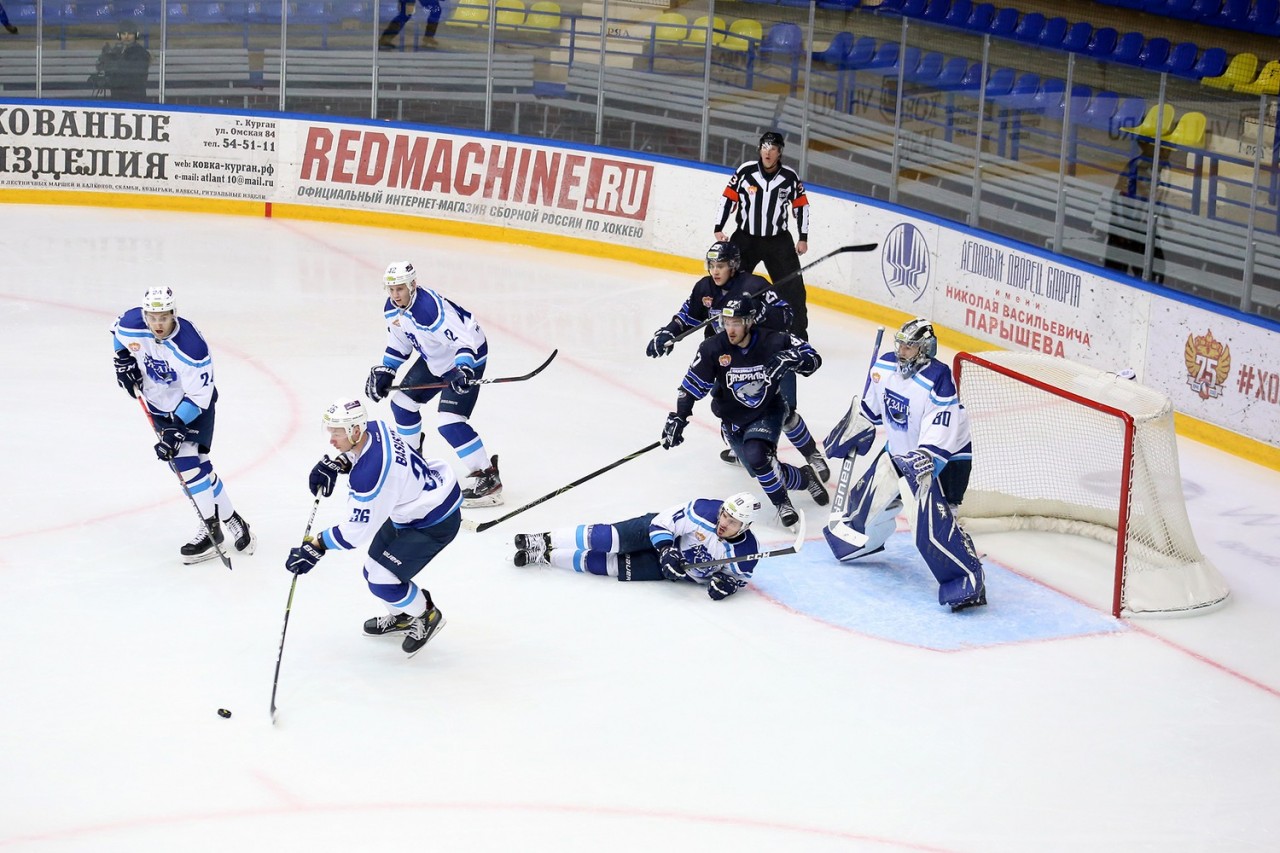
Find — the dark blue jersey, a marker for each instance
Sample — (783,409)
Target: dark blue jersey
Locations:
(735,376)
(708,298)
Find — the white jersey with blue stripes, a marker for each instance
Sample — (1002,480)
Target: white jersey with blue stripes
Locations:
(692,527)
(177,372)
(920,411)
(439,330)
(389,480)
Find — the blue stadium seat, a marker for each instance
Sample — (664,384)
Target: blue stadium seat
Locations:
(352,10)
(1103,43)
(1029,27)
(211,13)
(1128,48)
(913,8)
(1129,113)
(959,13)
(1077,37)
(1154,53)
(936,10)
(835,52)
(952,74)
(1202,10)
(1021,95)
(1004,23)
(890,7)
(1097,114)
(1000,82)
(1055,30)
(783,39)
(1153,7)
(839,4)
(1233,13)
(927,72)
(860,53)
(1212,63)
(1181,9)
(1181,58)
(981,17)
(1264,18)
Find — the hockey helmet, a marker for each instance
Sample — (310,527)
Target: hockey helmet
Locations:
(399,273)
(743,506)
(722,251)
(916,333)
(157,300)
(740,306)
(774,139)
(346,414)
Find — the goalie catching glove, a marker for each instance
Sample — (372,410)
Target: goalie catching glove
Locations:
(916,467)
(324,476)
(128,374)
(304,558)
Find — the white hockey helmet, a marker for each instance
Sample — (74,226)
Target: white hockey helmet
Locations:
(743,506)
(346,414)
(157,300)
(400,272)
(916,333)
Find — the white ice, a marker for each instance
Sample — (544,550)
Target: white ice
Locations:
(556,711)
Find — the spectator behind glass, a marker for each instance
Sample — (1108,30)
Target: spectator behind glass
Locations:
(122,67)
(4,22)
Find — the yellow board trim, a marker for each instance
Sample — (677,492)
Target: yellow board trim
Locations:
(1250,449)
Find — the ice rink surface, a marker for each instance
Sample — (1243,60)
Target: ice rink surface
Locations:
(828,707)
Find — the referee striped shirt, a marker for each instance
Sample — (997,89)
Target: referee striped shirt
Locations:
(763,201)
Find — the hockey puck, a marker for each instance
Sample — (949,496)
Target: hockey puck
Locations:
(224,713)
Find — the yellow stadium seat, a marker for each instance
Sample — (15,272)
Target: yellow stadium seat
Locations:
(698,31)
(543,15)
(670,26)
(1241,70)
(1268,82)
(510,13)
(471,13)
(1190,131)
(1148,126)
(743,33)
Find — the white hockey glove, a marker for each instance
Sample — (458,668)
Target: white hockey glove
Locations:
(852,436)
(916,467)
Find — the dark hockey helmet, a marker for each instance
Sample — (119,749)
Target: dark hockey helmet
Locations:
(127,28)
(916,333)
(740,306)
(773,138)
(722,251)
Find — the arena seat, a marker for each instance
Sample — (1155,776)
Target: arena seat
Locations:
(1029,27)
(1005,22)
(1155,117)
(835,52)
(1154,53)
(1128,47)
(1243,68)
(698,31)
(1054,32)
(1103,43)
(1189,131)
(959,13)
(1181,59)
(1077,38)
(981,17)
(1268,82)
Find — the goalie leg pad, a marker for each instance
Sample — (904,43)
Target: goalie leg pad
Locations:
(872,514)
(947,550)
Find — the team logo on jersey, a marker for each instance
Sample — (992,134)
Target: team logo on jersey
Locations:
(905,262)
(748,385)
(135,347)
(897,409)
(706,301)
(726,360)
(1208,363)
(159,370)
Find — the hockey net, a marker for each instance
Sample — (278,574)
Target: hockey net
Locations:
(1062,447)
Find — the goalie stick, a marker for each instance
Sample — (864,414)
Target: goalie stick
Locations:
(471,525)
(222,555)
(835,521)
(521,378)
(860,247)
(760,555)
(275,682)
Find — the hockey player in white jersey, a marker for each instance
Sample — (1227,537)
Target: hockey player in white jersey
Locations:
(451,349)
(671,544)
(927,445)
(163,357)
(407,505)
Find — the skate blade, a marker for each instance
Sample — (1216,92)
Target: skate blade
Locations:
(439,627)
(249,548)
(483,500)
(200,558)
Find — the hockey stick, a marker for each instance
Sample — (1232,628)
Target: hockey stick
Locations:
(834,521)
(471,525)
(529,375)
(226,561)
(275,682)
(862,247)
(760,555)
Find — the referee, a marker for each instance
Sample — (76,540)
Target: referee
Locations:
(764,191)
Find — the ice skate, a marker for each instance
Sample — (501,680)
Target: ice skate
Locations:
(392,623)
(978,600)
(727,457)
(532,548)
(201,547)
(241,535)
(819,465)
(814,486)
(787,514)
(486,487)
(421,630)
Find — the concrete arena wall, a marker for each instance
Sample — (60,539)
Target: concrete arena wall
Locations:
(1221,368)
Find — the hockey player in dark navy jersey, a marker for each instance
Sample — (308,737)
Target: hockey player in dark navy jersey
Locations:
(725,280)
(743,369)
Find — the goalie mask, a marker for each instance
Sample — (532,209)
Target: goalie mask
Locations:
(916,334)
(347,415)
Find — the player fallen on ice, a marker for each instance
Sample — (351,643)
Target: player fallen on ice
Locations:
(451,349)
(163,357)
(744,368)
(927,446)
(407,505)
(658,545)
(725,280)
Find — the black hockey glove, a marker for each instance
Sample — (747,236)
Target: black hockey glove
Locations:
(721,586)
(304,558)
(379,382)
(460,378)
(128,374)
(663,341)
(325,475)
(673,568)
(780,364)
(673,432)
(171,438)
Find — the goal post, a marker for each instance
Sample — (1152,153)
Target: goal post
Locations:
(1062,447)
